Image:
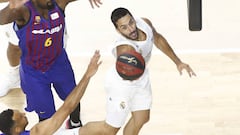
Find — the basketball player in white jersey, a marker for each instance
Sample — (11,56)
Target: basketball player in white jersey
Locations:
(124,96)
(12,79)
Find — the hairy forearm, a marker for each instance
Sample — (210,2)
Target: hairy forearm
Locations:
(50,125)
(1,1)
(73,99)
(163,45)
(68,106)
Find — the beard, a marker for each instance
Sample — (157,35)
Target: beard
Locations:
(50,5)
(133,35)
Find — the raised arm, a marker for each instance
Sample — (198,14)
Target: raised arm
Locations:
(64,3)
(162,44)
(97,3)
(49,126)
(1,1)
(14,11)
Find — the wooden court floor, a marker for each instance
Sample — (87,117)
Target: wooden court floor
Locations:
(208,104)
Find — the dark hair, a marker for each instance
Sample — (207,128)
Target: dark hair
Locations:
(118,13)
(6,121)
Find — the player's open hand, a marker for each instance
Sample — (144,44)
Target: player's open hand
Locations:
(97,3)
(189,70)
(94,64)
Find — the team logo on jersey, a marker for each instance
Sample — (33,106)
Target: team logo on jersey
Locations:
(7,34)
(48,31)
(139,49)
(42,112)
(54,16)
(122,105)
(37,20)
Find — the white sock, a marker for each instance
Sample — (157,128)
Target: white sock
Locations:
(14,67)
(75,124)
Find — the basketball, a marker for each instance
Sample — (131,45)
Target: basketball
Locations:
(130,65)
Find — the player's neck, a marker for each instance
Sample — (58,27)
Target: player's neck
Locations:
(42,11)
(141,35)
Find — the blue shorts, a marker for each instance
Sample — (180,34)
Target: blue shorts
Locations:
(37,85)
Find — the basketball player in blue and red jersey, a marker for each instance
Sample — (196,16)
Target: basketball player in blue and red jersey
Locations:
(40,25)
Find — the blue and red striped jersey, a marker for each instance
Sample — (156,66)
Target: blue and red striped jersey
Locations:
(41,39)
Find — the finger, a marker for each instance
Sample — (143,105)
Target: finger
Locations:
(91,3)
(191,71)
(98,56)
(180,71)
(190,74)
(193,74)
(97,3)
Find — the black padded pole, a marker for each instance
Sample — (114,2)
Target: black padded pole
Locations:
(195,15)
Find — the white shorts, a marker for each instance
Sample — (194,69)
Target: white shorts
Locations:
(125,96)
(11,35)
(63,131)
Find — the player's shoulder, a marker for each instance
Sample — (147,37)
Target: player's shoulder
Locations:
(146,20)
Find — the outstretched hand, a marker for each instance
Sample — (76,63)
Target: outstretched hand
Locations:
(189,70)
(97,3)
(94,64)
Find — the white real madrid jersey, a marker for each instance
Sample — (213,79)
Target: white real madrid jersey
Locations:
(143,47)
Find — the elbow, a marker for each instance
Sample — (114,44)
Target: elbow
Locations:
(2,23)
(2,20)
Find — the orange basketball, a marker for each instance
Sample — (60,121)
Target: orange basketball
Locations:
(130,65)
